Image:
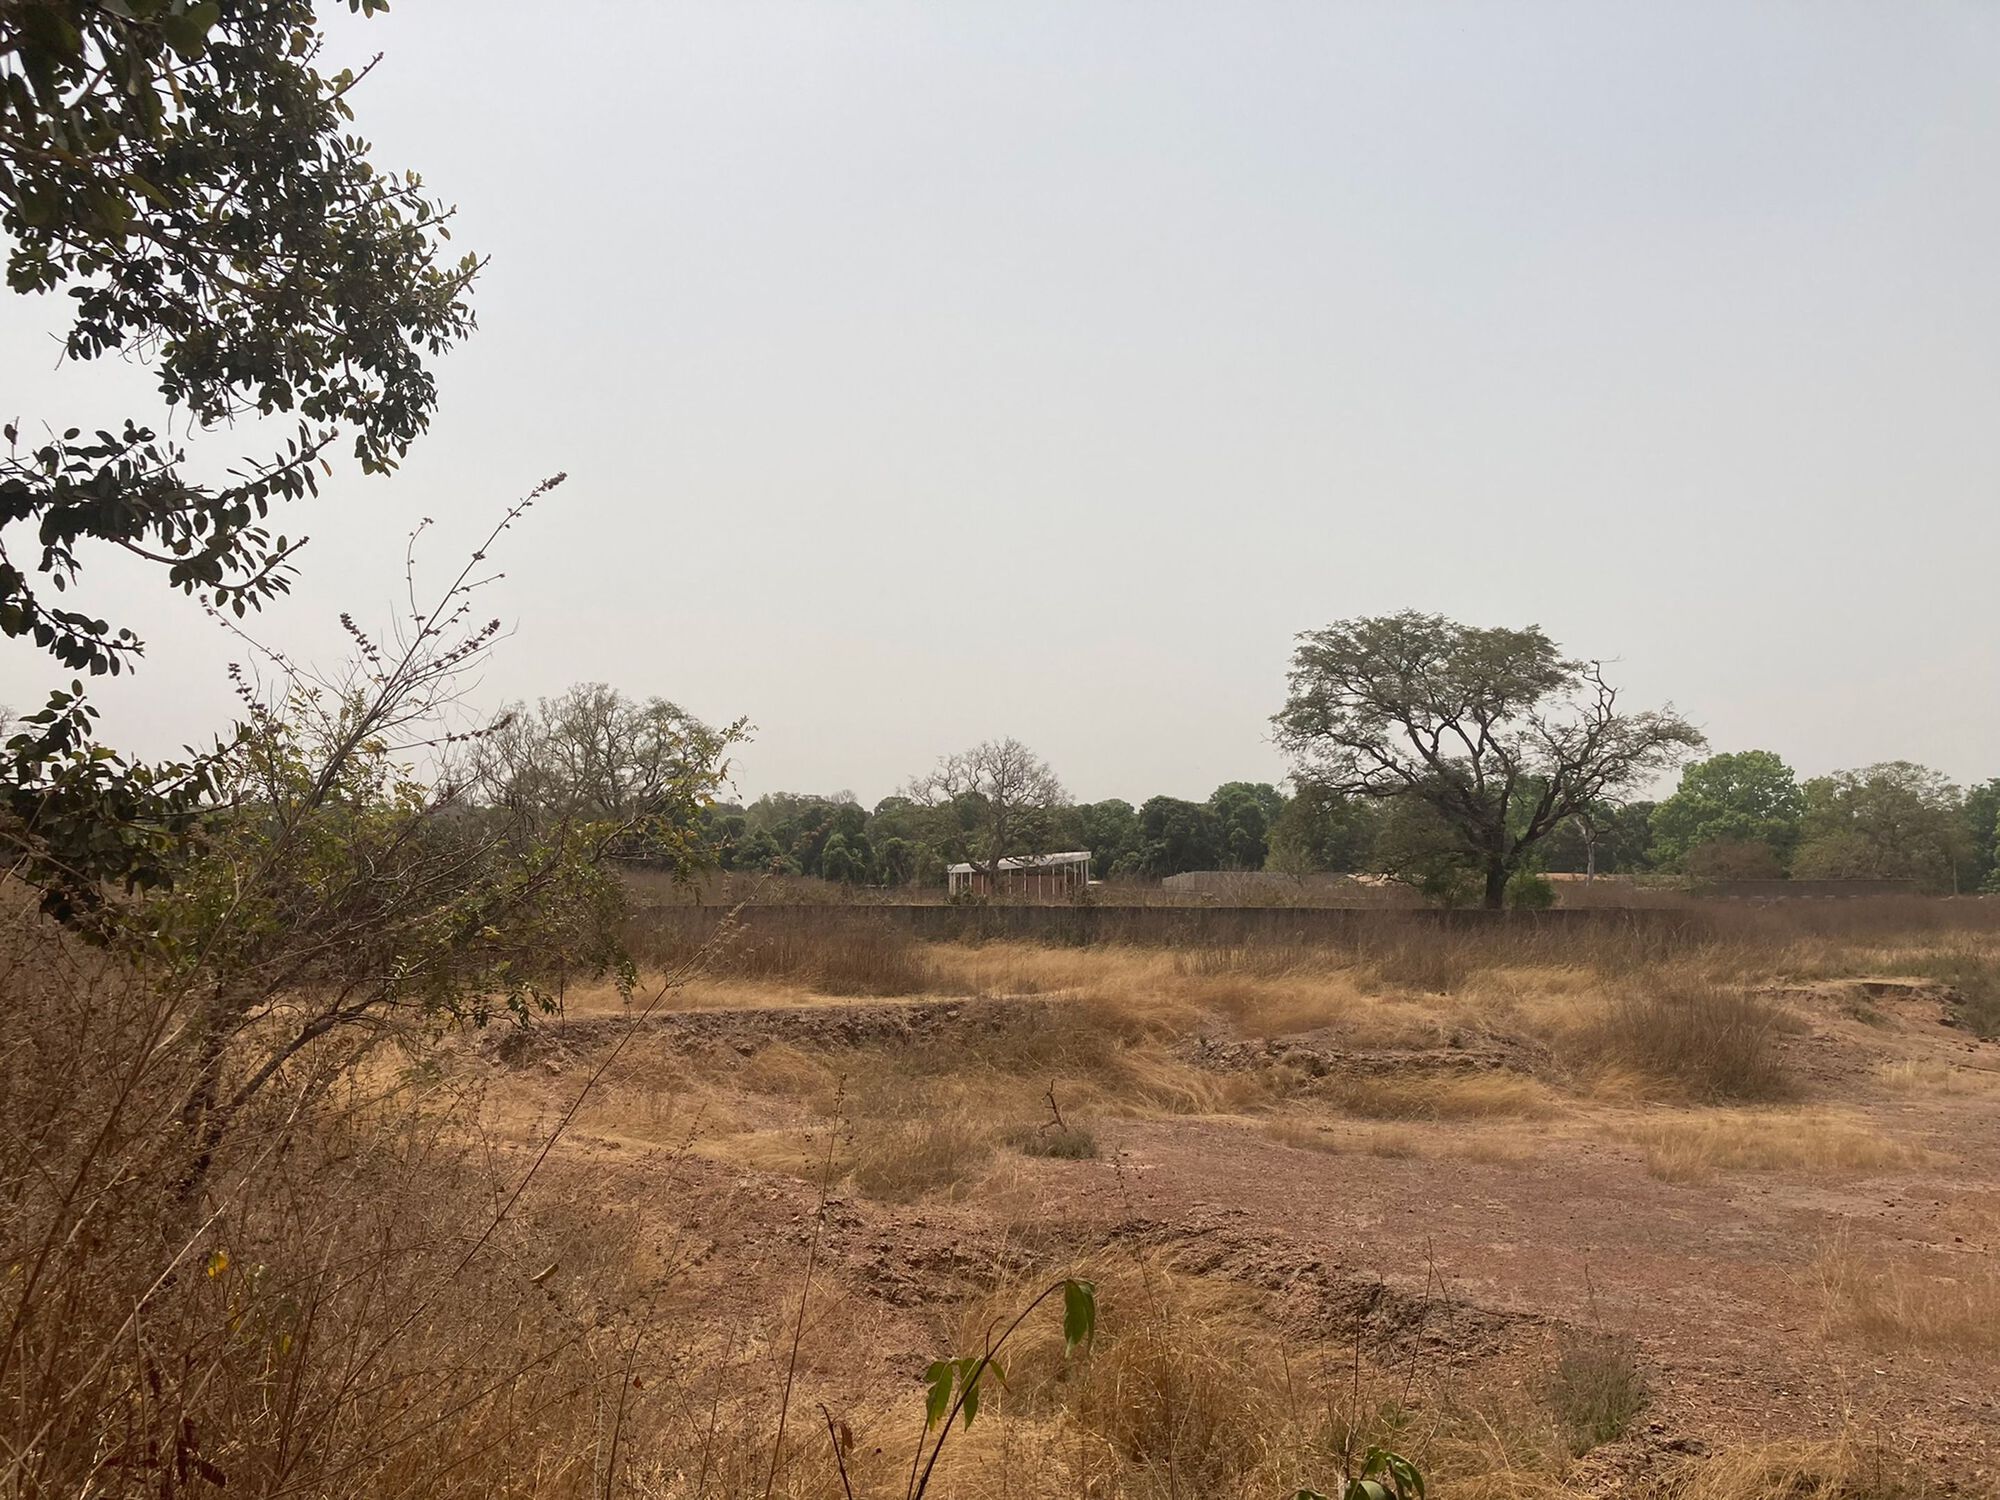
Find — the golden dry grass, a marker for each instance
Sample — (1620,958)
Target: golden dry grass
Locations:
(1931,1301)
(1929,1075)
(1852,1466)
(1697,1147)
(1365,1138)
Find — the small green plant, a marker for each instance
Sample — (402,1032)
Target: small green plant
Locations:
(953,1386)
(1384,1476)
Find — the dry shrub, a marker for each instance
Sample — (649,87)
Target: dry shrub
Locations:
(1069,1141)
(1974,976)
(1693,1148)
(1689,1038)
(1935,1301)
(782,1069)
(338,1304)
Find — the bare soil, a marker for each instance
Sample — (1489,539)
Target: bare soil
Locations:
(1460,1259)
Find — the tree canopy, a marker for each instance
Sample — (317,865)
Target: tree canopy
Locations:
(187,176)
(1494,731)
(1740,797)
(1895,820)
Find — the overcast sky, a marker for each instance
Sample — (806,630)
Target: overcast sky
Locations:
(933,372)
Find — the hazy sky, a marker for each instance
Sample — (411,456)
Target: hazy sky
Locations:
(933,372)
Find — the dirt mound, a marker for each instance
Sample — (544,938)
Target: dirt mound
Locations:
(861,1024)
(1320,1055)
(1320,1301)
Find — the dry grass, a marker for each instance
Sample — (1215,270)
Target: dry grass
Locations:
(1399,1141)
(1696,1147)
(1926,1075)
(1689,1038)
(359,1305)
(1428,1096)
(1849,1467)
(1596,1388)
(1934,1302)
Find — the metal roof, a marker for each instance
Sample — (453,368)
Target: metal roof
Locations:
(1031,862)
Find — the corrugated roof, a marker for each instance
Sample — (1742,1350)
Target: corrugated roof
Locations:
(1031,862)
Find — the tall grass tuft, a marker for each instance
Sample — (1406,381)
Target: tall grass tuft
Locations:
(1692,1038)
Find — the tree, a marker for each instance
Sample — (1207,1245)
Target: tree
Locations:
(1982,833)
(1493,730)
(995,801)
(1109,830)
(1176,836)
(1732,859)
(840,864)
(1608,838)
(1895,820)
(1244,812)
(1322,831)
(594,756)
(1740,797)
(185,174)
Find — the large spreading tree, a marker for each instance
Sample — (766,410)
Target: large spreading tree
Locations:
(998,800)
(187,179)
(1494,733)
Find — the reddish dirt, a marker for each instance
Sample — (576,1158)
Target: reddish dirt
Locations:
(1467,1259)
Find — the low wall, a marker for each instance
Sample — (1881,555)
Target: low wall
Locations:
(1155,926)
(1803,890)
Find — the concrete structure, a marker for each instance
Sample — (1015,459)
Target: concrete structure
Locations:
(1032,875)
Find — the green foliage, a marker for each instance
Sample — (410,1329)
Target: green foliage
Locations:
(1610,838)
(1110,831)
(953,1387)
(1896,820)
(995,801)
(593,757)
(186,176)
(1981,815)
(1528,891)
(1384,1476)
(189,177)
(1244,813)
(332,871)
(1494,731)
(1741,797)
(1176,836)
(78,814)
(1320,830)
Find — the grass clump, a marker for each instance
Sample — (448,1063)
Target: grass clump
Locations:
(940,1150)
(1595,1389)
(1066,1142)
(1691,1039)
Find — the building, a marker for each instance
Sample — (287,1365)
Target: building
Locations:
(1031,875)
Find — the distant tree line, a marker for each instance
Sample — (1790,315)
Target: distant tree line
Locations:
(1466,762)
